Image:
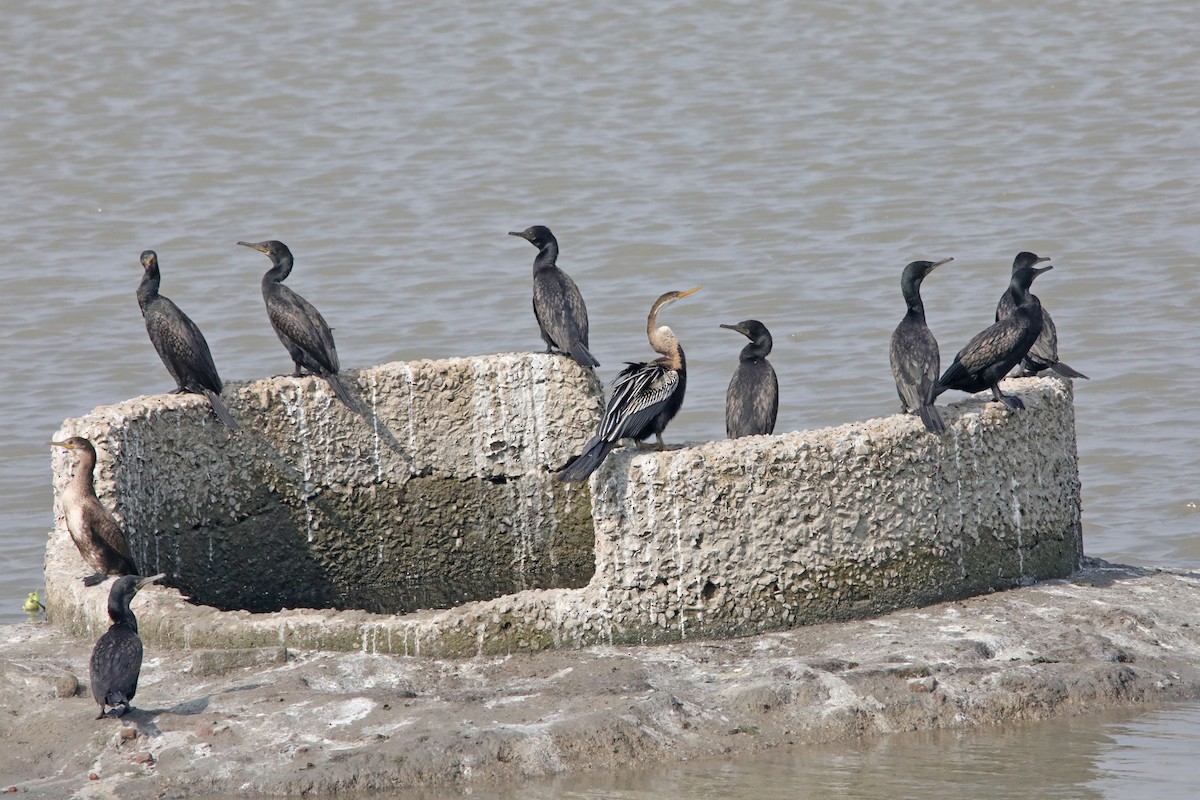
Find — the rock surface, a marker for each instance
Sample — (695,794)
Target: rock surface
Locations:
(276,722)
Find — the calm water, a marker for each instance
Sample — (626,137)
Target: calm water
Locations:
(789,157)
(1147,756)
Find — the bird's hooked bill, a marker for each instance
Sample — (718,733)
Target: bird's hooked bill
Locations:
(146,581)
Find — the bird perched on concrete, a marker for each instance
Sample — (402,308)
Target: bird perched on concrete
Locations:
(179,343)
(645,396)
(117,657)
(989,356)
(914,354)
(557,304)
(95,531)
(298,324)
(752,399)
(1044,353)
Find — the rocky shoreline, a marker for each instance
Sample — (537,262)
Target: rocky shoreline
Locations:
(273,722)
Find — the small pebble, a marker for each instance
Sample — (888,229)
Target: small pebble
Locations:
(93,776)
(922,685)
(143,758)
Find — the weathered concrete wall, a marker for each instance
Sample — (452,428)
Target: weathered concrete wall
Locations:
(724,538)
(439,494)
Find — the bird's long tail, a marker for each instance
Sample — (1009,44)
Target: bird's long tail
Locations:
(587,461)
(580,353)
(343,392)
(1067,372)
(932,418)
(220,410)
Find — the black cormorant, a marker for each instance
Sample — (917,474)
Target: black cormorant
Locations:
(557,304)
(1044,353)
(645,396)
(94,530)
(117,656)
(988,357)
(752,399)
(916,362)
(179,343)
(298,324)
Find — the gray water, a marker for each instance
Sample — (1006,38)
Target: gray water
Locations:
(789,157)
(1146,756)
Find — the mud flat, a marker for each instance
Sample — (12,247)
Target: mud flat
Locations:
(277,721)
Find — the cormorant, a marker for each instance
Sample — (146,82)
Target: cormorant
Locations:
(179,343)
(988,357)
(752,399)
(914,354)
(117,656)
(557,304)
(298,324)
(94,530)
(1044,353)
(645,396)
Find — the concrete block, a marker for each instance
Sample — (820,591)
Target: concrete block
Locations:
(313,527)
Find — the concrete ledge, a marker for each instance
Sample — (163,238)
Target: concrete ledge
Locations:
(720,539)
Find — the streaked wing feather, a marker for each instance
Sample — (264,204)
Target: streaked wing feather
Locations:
(638,394)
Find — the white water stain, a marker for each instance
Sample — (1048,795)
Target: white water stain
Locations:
(348,711)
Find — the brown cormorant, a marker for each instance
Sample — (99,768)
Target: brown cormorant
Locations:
(179,343)
(557,304)
(752,399)
(645,396)
(914,354)
(94,530)
(1044,353)
(298,324)
(988,357)
(117,657)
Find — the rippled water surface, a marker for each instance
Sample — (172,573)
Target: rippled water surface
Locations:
(1147,756)
(789,157)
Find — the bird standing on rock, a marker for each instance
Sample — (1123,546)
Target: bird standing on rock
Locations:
(645,396)
(557,304)
(178,341)
(298,324)
(1044,353)
(116,661)
(914,354)
(752,399)
(95,531)
(989,356)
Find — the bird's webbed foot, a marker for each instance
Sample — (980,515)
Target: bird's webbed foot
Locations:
(178,390)
(95,578)
(1010,401)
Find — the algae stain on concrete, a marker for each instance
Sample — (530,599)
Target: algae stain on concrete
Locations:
(426,542)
